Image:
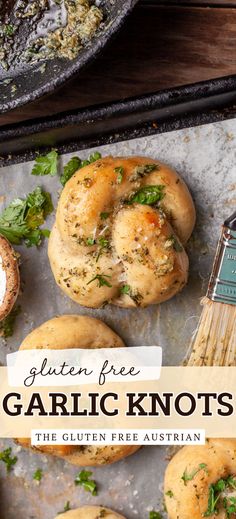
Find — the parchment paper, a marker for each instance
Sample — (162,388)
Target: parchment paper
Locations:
(206,158)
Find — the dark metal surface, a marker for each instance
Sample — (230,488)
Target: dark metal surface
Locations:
(24,83)
(154,113)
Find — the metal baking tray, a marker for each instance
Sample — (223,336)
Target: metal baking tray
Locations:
(176,127)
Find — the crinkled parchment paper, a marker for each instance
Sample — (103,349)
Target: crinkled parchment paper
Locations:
(206,158)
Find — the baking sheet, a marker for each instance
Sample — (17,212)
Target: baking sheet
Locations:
(205,157)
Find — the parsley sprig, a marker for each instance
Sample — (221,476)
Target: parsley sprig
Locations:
(215,492)
(84,479)
(8,459)
(46,164)
(21,220)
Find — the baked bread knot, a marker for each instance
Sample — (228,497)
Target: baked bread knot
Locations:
(200,481)
(121,226)
(90,512)
(9,277)
(74,331)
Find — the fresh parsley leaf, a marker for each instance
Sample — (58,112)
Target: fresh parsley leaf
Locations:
(95,156)
(120,173)
(125,289)
(69,169)
(46,164)
(104,216)
(83,479)
(7,324)
(212,502)
(215,493)
(100,278)
(75,164)
(8,459)
(155,515)
(169,493)
(220,485)
(148,195)
(20,221)
(38,475)
(189,476)
(229,505)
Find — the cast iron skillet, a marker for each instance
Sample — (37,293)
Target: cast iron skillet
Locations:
(22,84)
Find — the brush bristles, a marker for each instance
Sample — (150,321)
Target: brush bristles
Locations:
(214,343)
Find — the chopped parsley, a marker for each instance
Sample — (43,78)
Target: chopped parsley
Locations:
(46,164)
(75,164)
(102,282)
(176,244)
(229,505)
(66,508)
(189,476)
(8,29)
(120,173)
(8,459)
(125,289)
(215,491)
(104,244)
(169,493)
(104,216)
(7,324)
(155,515)
(90,241)
(38,475)
(83,479)
(142,170)
(148,195)
(21,220)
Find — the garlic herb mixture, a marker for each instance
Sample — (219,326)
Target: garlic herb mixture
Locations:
(51,28)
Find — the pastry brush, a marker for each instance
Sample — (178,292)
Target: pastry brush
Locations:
(214,342)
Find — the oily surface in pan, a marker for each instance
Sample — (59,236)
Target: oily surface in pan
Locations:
(205,158)
(44,42)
